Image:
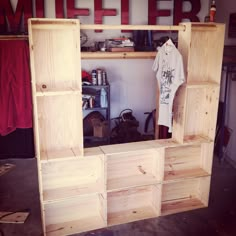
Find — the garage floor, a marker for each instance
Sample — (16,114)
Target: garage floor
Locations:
(19,191)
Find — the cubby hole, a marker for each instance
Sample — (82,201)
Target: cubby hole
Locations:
(65,179)
(133,204)
(185,195)
(188,161)
(134,169)
(75,215)
(60,127)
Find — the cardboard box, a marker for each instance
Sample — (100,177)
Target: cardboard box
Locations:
(100,128)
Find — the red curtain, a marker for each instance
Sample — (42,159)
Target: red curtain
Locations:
(15,89)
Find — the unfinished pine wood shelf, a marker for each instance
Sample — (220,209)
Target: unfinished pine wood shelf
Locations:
(75,215)
(86,189)
(188,161)
(133,168)
(118,55)
(185,195)
(129,205)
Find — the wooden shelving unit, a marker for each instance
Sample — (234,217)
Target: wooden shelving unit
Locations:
(86,189)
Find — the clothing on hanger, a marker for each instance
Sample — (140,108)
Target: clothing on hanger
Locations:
(168,65)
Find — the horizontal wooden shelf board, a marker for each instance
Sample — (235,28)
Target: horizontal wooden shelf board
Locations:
(131,215)
(118,55)
(76,226)
(130,181)
(190,139)
(132,27)
(54,195)
(177,175)
(127,147)
(175,206)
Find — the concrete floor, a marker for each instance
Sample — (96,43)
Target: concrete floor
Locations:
(19,191)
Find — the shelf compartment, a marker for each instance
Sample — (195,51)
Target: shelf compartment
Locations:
(209,58)
(134,204)
(195,112)
(60,127)
(80,176)
(132,169)
(201,111)
(188,161)
(75,215)
(185,195)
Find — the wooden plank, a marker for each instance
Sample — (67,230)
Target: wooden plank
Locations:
(173,207)
(118,55)
(207,156)
(184,174)
(179,116)
(131,215)
(13,217)
(127,147)
(6,168)
(133,27)
(76,226)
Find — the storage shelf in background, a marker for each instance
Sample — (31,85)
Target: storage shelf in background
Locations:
(95,86)
(95,109)
(118,55)
(171,207)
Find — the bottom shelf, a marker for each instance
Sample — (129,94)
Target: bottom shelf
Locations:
(76,226)
(133,204)
(180,206)
(131,215)
(185,195)
(75,215)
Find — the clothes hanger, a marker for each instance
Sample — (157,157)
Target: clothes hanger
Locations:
(169,45)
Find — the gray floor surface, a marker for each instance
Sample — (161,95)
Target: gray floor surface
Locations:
(19,191)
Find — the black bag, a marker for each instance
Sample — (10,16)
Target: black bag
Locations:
(126,128)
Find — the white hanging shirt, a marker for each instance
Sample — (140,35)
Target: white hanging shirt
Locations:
(168,65)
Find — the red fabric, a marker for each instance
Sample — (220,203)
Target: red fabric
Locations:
(15,89)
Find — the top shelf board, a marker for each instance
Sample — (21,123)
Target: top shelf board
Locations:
(118,55)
